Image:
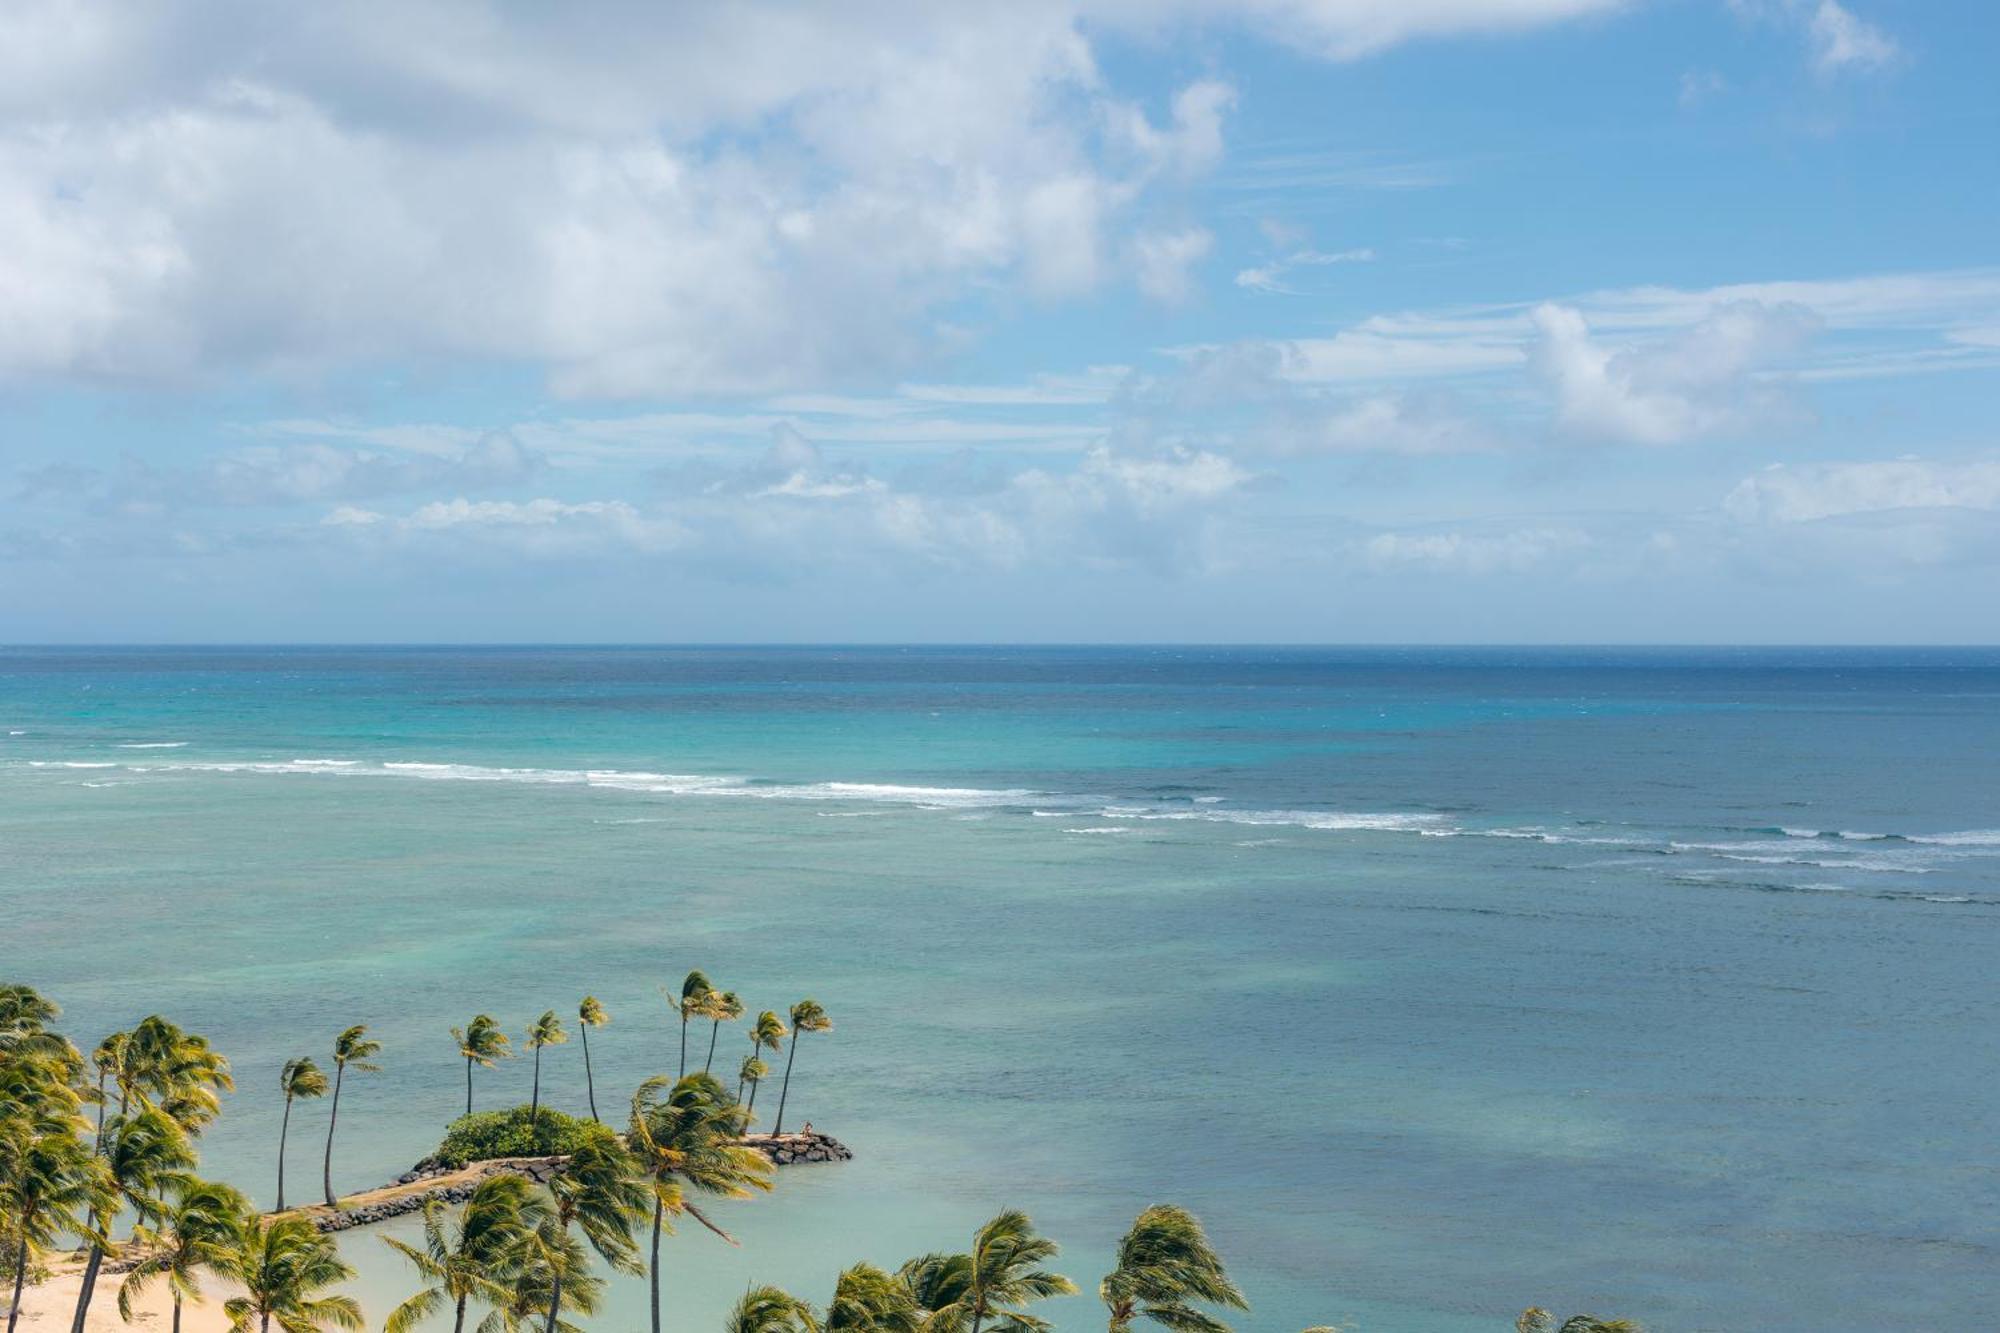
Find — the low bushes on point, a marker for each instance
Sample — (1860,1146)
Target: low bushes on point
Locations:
(485,1135)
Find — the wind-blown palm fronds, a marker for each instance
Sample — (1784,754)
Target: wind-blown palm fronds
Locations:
(482,1043)
(145,1155)
(195,1234)
(694,992)
(770,1310)
(721,1007)
(51,1185)
(352,1049)
(684,1138)
(473,1257)
(807,1016)
(1165,1265)
(299,1078)
(590,1014)
(996,1281)
(544,1031)
(600,1193)
(283,1265)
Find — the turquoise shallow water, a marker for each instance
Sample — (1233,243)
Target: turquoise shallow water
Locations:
(1438,982)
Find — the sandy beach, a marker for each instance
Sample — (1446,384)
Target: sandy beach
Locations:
(51,1304)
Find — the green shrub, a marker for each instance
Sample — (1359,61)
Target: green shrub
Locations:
(488,1134)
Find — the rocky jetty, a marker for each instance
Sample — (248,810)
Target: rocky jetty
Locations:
(409,1192)
(787,1149)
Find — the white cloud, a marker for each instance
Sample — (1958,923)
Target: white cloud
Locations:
(1164,259)
(1269,277)
(1695,384)
(1807,492)
(1840,41)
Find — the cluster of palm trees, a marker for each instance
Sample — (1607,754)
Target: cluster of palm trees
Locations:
(523,1254)
(483,1043)
(63,1176)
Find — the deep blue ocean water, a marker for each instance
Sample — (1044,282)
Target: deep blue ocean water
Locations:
(1440,982)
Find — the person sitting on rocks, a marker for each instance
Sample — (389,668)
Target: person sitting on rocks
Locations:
(805,1131)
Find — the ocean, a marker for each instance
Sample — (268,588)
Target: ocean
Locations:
(1439,982)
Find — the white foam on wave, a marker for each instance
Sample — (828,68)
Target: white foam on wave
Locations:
(1984,837)
(70,763)
(1872,867)
(1339,820)
(151,745)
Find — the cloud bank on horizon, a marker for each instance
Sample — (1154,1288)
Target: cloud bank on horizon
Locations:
(1076,319)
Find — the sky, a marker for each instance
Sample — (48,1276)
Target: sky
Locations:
(1402,321)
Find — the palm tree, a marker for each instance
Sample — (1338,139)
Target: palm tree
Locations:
(807,1016)
(50,1185)
(482,1043)
(685,1139)
(1534,1319)
(174,1071)
(590,1014)
(599,1193)
(722,1007)
(299,1078)
(769,1310)
(693,990)
(750,1073)
(995,1281)
(145,1153)
(196,1233)
(108,1059)
(768,1033)
(282,1266)
(474,1258)
(549,1252)
(351,1049)
(544,1031)
(1165,1262)
(868,1300)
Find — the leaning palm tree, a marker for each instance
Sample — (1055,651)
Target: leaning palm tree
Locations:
(768,1033)
(1534,1319)
(997,1280)
(590,1014)
(300,1078)
(482,1043)
(807,1016)
(174,1071)
(544,1031)
(547,1253)
(868,1300)
(694,992)
(108,1059)
(749,1074)
(283,1265)
(146,1155)
(684,1138)
(473,1258)
(598,1192)
(1164,1264)
(195,1234)
(352,1049)
(51,1185)
(770,1310)
(722,1007)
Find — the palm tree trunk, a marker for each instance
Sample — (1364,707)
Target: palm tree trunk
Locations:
(752,1104)
(89,1285)
(326,1170)
(589,1083)
(284,1128)
(535,1101)
(264,1322)
(684,1045)
(713,1029)
(177,1312)
(100,1108)
(555,1299)
(659,1211)
(786,1091)
(468,1085)
(458,1317)
(20,1277)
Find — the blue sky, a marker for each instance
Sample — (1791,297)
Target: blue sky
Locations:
(1350,320)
